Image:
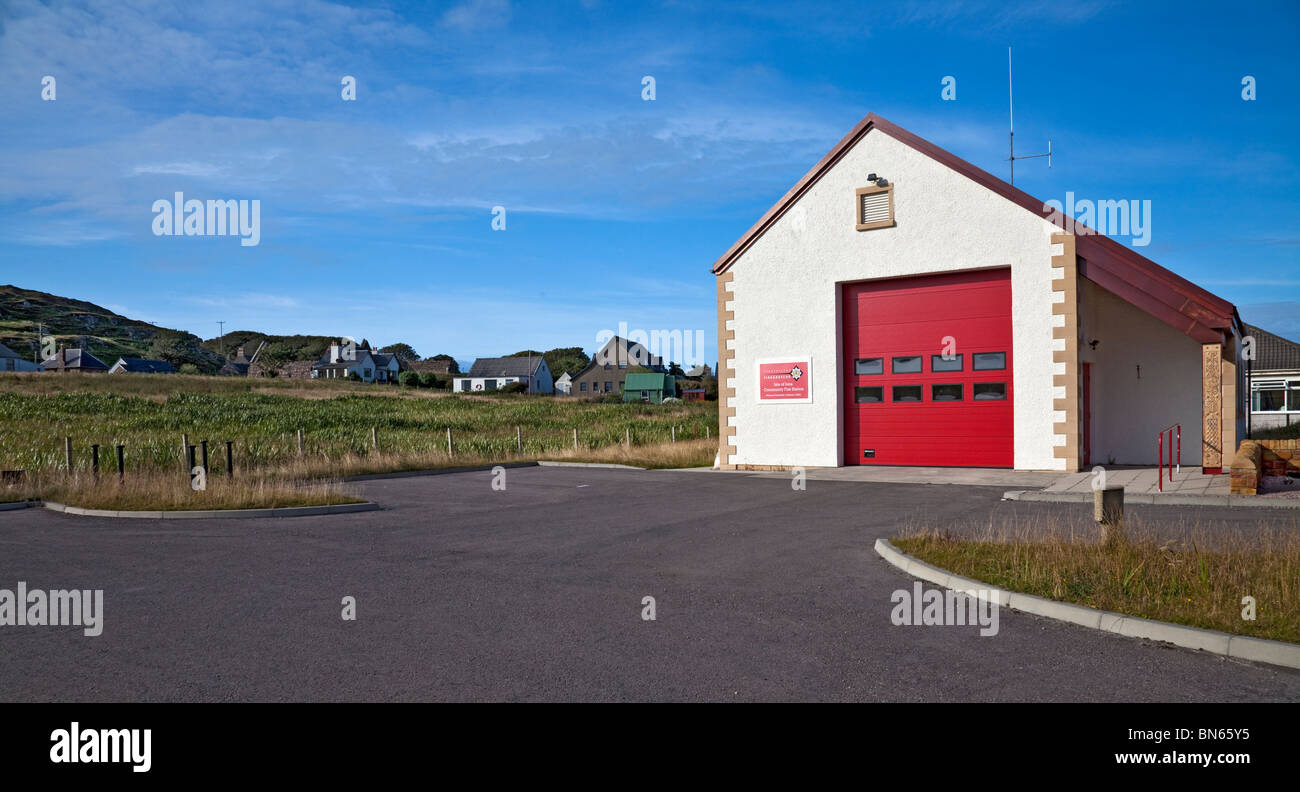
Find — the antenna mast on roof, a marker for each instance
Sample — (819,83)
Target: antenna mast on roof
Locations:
(1011,108)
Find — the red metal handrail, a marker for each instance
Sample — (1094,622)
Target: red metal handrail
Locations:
(1174,431)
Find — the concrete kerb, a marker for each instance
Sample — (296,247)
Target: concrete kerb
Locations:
(1172,499)
(1242,647)
(232,514)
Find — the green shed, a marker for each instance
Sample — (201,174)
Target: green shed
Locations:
(649,387)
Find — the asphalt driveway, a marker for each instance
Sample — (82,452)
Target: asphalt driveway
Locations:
(535,593)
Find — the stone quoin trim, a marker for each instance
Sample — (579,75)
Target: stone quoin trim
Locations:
(1067,282)
(726,372)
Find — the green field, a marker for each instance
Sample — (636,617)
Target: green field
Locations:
(262,417)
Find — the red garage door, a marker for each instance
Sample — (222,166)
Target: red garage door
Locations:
(909,403)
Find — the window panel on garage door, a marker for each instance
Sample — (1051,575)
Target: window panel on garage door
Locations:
(940,354)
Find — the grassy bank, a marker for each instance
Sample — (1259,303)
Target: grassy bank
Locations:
(1198,579)
(262,417)
(172,492)
(149,414)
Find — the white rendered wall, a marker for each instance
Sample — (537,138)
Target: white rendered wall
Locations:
(1127,411)
(787,302)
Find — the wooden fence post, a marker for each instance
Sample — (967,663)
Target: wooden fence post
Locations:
(185,444)
(67,452)
(575,437)
(374,438)
(299,442)
(519,439)
(450,451)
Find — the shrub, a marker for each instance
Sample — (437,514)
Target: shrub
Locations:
(411,379)
(429,380)
(355,377)
(188,368)
(515,387)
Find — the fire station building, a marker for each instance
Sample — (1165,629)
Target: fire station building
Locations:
(900,306)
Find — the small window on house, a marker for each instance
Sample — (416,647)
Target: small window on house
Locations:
(1269,398)
(875,207)
(609,386)
(907,393)
(863,366)
(869,395)
(988,361)
(582,386)
(945,393)
(910,364)
(942,363)
(990,391)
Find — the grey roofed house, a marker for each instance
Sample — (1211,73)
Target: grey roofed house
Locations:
(701,370)
(505,367)
(12,361)
(132,365)
(1272,351)
(74,360)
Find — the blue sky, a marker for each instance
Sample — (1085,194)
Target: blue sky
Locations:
(376,214)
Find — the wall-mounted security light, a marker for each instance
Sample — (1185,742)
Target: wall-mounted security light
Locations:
(1093,343)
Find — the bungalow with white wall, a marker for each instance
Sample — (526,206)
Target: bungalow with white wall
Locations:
(344,358)
(1273,367)
(489,374)
(900,306)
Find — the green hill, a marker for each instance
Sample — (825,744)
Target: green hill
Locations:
(105,334)
(279,349)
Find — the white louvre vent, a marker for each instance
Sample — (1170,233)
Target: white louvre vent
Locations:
(875,208)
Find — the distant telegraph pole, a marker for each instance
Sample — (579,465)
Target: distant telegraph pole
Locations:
(221,343)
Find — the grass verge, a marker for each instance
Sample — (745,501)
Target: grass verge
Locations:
(154,492)
(1198,579)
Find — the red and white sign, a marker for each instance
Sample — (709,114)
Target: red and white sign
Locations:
(786,380)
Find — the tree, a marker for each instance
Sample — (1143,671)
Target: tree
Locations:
(675,370)
(560,359)
(402,351)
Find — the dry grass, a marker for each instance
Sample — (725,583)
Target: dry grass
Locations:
(1197,579)
(311,480)
(172,492)
(686,453)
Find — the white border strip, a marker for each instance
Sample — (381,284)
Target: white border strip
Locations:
(1243,647)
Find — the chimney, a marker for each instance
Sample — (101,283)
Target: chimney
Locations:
(240,352)
(334,351)
(61,354)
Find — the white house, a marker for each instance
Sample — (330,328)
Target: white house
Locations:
(12,361)
(900,306)
(564,384)
(345,358)
(1274,371)
(488,374)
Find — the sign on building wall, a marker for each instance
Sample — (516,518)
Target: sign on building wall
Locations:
(785,380)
